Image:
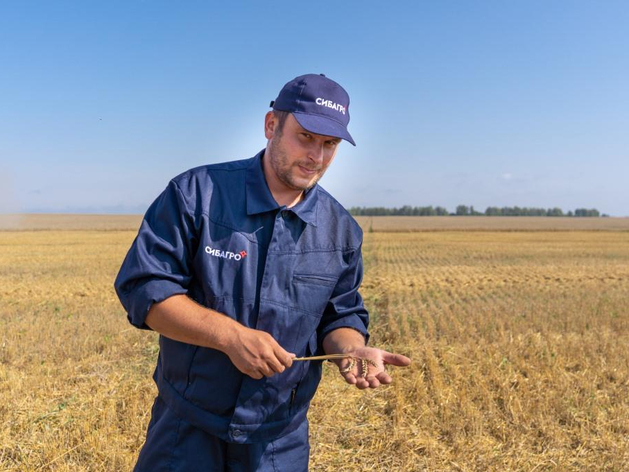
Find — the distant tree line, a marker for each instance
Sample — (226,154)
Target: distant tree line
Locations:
(406,210)
(464,210)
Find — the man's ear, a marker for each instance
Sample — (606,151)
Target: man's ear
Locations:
(270,123)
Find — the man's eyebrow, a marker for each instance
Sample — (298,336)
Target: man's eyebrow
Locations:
(331,138)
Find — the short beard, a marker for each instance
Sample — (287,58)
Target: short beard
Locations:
(279,162)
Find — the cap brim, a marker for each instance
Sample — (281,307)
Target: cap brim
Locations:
(323,125)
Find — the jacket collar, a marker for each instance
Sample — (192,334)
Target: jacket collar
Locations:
(260,199)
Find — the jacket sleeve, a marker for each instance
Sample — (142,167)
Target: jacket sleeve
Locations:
(345,308)
(159,263)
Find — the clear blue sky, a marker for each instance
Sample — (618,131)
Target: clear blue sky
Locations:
(481,103)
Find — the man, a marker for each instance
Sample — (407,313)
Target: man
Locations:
(241,267)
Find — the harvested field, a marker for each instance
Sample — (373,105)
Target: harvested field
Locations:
(44,222)
(518,340)
(484,223)
(47,222)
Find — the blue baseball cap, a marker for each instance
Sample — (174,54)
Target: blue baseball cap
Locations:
(319,105)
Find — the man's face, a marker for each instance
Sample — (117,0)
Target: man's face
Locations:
(297,158)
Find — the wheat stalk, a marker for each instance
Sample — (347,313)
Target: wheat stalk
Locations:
(323,358)
(364,363)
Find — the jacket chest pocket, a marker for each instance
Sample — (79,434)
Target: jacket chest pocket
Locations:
(325,280)
(313,291)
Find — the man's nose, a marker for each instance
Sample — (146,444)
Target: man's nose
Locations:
(316,152)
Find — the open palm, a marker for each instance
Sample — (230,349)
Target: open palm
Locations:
(366,367)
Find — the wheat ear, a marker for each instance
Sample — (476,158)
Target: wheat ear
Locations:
(364,363)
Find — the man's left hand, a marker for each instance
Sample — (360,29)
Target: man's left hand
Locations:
(371,373)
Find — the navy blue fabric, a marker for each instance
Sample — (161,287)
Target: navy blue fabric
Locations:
(319,104)
(174,445)
(217,235)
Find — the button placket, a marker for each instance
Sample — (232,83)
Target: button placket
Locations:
(278,226)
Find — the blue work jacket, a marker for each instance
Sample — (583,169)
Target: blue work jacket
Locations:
(217,234)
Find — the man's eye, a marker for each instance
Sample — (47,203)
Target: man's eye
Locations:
(332,143)
(306,135)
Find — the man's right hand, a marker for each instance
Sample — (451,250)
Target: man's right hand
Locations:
(253,352)
(256,354)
